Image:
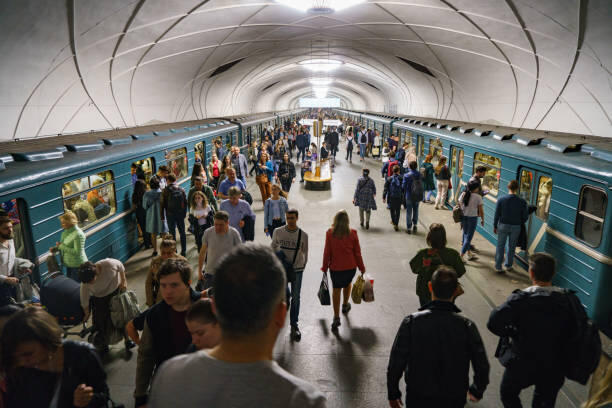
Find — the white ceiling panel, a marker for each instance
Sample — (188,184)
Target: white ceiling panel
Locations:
(179,43)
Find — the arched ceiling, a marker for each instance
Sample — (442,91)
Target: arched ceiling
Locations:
(72,65)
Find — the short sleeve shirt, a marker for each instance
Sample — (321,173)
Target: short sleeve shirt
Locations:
(218,245)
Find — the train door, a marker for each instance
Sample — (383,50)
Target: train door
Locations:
(16,209)
(535,187)
(456,168)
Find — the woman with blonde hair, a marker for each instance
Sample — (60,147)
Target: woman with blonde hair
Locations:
(443,176)
(71,245)
(342,256)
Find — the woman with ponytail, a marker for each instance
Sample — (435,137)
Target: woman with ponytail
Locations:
(471,204)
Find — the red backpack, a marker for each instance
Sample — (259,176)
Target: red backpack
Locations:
(392,163)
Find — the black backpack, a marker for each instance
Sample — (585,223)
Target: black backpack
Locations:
(584,348)
(395,187)
(177,202)
(416,190)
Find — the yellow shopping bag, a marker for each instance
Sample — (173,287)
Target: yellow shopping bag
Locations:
(357,291)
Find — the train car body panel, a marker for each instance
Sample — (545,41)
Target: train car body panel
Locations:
(566,177)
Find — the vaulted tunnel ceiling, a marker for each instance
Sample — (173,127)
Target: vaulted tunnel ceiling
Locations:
(71,66)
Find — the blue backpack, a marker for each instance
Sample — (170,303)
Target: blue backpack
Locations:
(395,187)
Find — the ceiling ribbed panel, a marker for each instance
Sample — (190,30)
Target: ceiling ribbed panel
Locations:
(70,66)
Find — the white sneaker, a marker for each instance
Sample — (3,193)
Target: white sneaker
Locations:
(471,256)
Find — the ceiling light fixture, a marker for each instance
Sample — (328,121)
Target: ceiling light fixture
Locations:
(320,6)
(321,81)
(320,91)
(321,65)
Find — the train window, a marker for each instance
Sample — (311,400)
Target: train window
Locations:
(544,193)
(457,161)
(144,166)
(11,208)
(435,149)
(591,215)
(200,152)
(91,198)
(525,184)
(491,178)
(177,162)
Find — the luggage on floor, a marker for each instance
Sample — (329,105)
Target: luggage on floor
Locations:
(61,296)
(123,308)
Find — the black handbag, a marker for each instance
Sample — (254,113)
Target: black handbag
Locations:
(323,293)
(504,352)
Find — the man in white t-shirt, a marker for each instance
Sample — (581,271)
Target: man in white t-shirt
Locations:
(240,371)
(217,241)
(101,281)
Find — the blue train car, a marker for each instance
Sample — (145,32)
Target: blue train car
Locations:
(566,177)
(92,178)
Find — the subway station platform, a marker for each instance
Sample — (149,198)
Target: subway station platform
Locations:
(350,367)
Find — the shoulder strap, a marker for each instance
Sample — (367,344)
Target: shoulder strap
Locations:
(297,247)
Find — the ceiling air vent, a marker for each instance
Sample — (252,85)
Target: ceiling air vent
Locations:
(270,86)
(369,84)
(221,69)
(417,66)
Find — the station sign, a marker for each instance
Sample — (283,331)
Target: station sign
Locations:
(332,122)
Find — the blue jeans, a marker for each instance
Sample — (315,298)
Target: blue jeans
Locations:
(468,224)
(510,233)
(412,212)
(296,288)
(429,194)
(362,149)
(243,179)
(177,222)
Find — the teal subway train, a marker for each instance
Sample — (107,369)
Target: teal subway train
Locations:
(91,175)
(566,177)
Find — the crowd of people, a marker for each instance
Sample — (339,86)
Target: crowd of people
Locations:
(238,306)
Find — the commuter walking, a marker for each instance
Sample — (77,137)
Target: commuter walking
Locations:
(365,197)
(100,282)
(349,146)
(71,245)
(231,180)
(470,202)
(427,260)
(174,204)
(262,171)
(302,143)
(393,193)
(140,188)
(539,323)
(167,250)
(429,184)
(275,208)
(434,348)
(202,215)
(151,201)
(200,185)
(165,334)
(216,242)
(363,143)
(253,156)
(293,241)
(413,190)
(286,173)
(510,214)
(238,210)
(443,176)
(342,256)
(239,372)
(214,171)
(198,171)
(239,162)
(333,141)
